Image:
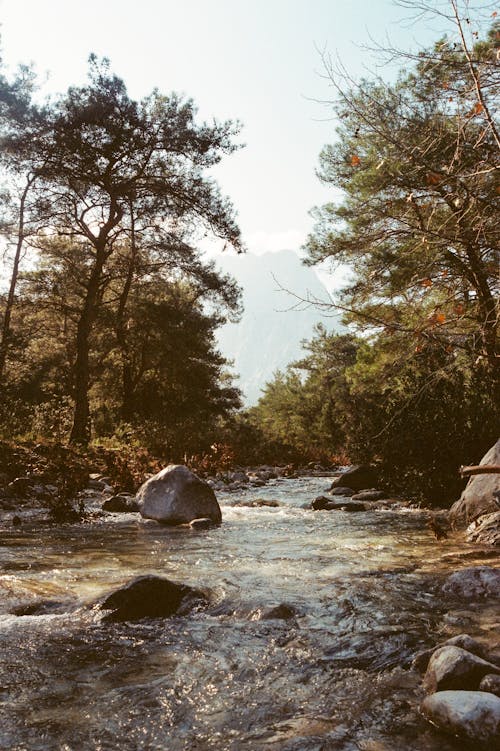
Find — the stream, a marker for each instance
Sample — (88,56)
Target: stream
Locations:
(364,596)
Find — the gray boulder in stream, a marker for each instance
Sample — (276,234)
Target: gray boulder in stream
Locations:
(177,496)
(151,597)
(473,715)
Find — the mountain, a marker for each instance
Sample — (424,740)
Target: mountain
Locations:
(275,321)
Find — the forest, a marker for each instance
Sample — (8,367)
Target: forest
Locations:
(109,308)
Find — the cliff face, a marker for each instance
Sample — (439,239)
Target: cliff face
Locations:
(274,321)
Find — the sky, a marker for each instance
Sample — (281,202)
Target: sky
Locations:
(256,61)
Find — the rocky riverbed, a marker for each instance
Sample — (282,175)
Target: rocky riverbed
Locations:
(304,635)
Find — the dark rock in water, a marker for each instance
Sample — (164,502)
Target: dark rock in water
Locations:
(151,597)
(259,503)
(474,582)
(341,490)
(177,496)
(473,715)
(16,521)
(358,478)
(323,503)
(201,524)
(120,504)
(41,607)
(491,684)
(453,668)
(369,495)
(486,531)
(350,506)
(283,612)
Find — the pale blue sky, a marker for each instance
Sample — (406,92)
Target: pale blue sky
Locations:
(252,60)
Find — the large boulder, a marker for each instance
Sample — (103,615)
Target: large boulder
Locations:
(473,715)
(151,597)
(177,496)
(455,668)
(421,660)
(479,497)
(358,477)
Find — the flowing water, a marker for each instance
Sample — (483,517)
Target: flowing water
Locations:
(365,589)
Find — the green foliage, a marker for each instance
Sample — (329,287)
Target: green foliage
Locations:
(298,408)
(418,163)
(118,312)
(419,391)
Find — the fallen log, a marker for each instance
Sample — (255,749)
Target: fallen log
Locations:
(481,469)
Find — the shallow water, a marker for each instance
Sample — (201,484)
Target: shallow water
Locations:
(365,588)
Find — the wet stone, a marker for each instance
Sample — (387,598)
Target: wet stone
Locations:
(151,597)
(473,715)
(323,503)
(455,668)
(491,684)
(283,612)
(202,524)
(120,504)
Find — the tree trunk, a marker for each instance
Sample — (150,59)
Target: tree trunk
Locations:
(127,405)
(4,341)
(80,432)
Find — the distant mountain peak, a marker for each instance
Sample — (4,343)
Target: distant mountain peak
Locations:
(275,321)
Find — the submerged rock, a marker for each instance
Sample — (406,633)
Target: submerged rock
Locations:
(42,607)
(455,668)
(283,612)
(177,496)
(151,597)
(201,524)
(259,503)
(474,715)
(358,478)
(323,503)
(474,582)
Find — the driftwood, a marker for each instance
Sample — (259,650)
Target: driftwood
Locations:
(482,469)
